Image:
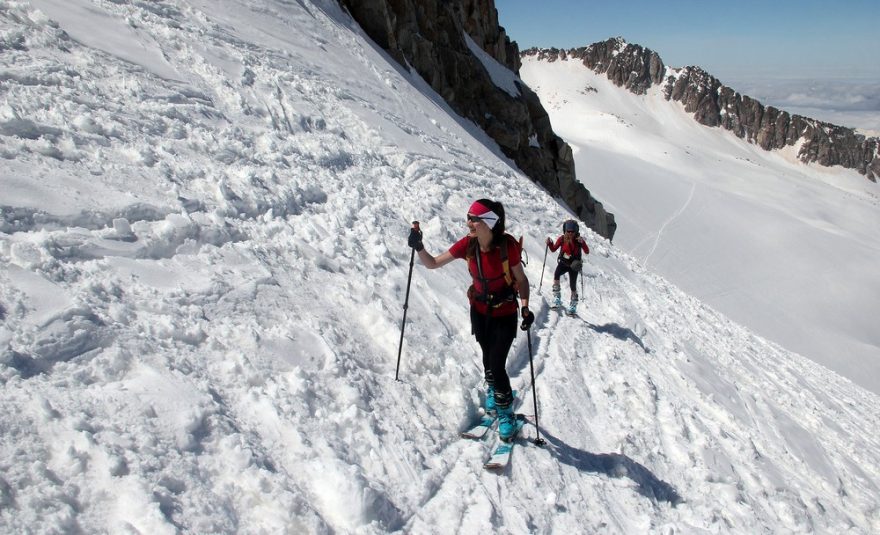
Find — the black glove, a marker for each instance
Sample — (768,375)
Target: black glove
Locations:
(415,239)
(528,318)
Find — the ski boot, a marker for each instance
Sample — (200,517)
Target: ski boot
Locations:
(506,418)
(557,297)
(506,423)
(572,307)
(490,400)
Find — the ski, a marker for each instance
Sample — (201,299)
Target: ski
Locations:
(481,428)
(501,454)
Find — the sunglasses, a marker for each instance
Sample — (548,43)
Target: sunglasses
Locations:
(474,218)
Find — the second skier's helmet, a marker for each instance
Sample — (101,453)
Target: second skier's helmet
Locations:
(570,226)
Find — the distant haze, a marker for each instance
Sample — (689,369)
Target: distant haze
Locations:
(850,103)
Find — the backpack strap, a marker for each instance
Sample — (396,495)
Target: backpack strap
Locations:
(505,263)
(510,291)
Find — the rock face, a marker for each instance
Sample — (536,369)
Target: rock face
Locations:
(429,37)
(637,68)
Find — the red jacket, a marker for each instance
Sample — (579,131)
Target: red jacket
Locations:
(493,271)
(570,251)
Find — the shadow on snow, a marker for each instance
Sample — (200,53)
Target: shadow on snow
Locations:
(614,465)
(619,332)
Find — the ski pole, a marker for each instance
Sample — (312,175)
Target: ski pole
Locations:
(538,440)
(412,258)
(582,283)
(544,263)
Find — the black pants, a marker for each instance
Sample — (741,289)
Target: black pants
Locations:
(495,336)
(563,268)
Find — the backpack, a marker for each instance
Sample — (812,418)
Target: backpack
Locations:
(511,292)
(576,256)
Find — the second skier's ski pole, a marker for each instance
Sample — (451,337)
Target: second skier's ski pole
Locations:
(582,282)
(544,263)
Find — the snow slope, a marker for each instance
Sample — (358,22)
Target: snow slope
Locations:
(202,271)
(787,249)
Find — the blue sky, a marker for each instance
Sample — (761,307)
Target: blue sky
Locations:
(809,39)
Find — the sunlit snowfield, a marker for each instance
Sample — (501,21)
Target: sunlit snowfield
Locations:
(787,249)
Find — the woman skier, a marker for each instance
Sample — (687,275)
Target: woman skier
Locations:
(572,244)
(493,259)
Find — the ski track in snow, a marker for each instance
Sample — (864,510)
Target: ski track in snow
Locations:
(201,293)
(666,223)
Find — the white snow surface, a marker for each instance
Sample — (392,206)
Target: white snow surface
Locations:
(787,249)
(203,265)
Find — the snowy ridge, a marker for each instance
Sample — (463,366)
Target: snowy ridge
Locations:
(201,286)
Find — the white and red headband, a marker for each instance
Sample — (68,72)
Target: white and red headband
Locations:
(480,210)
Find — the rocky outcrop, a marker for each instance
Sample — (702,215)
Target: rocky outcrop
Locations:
(714,104)
(632,67)
(429,36)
